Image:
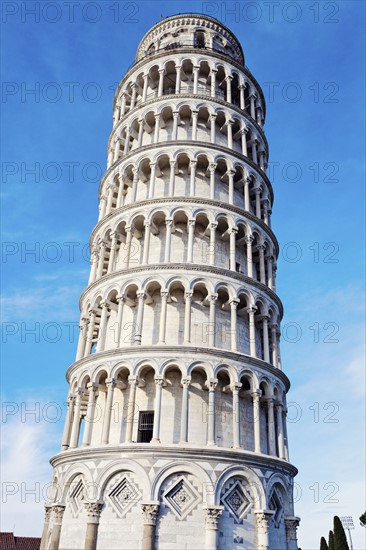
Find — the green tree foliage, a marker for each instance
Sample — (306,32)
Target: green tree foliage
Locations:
(340,539)
(323,544)
(331,541)
(363,519)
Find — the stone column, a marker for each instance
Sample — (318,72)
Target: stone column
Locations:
(213,227)
(233,307)
(118,336)
(257,192)
(280,441)
(213,128)
(133,97)
(230,134)
(270,272)
(261,159)
(212,516)
(141,132)
(194,125)
(271,428)
(48,510)
(159,381)
(231,174)
(68,423)
(273,328)
(254,151)
(184,416)
(191,224)
(144,91)
(249,239)
(178,69)
(127,141)
(291,525)
(76,420)
(244,149)
(228,80)
(246,194)
(211,412)
(232,256)
(213,82)
(117,148)
(139,317)
(90,414)
(111,384)
(172,178)
(195,79)
(82,338)
(265,338)
(150,511)
(162,327)
(133,381)
(256,420)
(89,336)
(152,180)
(134,184)
(112,254)
(111,190)
(212,321)
(265,211)
(93,264)
(175,125)
(259,115)
(103,326)
(251,311)
(252,106)
(168,238)
(263,517)
(285,438)
(235,388)
(127,251)
(57,513)
(103,206)
(123,106)
(102,249)
(161,82)
(157,128)
(145,258)
(187,317)
(93,510)
(192,186)
(120,193)
(212,168)
(262,269)
(242,98)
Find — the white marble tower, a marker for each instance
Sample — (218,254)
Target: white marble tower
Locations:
(175,436)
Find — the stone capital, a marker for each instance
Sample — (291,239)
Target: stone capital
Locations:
(93,510)
(212,516)
(291,525)
(211,384)
(150,511)
(58,512)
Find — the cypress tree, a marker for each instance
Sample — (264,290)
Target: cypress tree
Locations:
(340,539)
(323,544)
(331,541)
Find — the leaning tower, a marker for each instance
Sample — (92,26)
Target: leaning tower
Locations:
(175,436)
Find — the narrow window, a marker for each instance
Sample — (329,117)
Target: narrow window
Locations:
(146,424)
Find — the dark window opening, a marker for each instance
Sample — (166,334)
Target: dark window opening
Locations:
(146,425)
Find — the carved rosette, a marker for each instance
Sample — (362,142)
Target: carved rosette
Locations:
(150,512)
(212,516)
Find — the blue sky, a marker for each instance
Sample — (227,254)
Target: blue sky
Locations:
(311,56)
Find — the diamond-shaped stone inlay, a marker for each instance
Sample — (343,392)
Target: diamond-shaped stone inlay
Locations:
(77,497)
(123,495)
(181,498)
(236,501)
(276,505)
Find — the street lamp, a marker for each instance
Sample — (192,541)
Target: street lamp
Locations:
(347,522)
